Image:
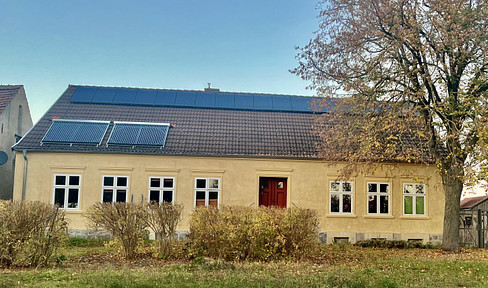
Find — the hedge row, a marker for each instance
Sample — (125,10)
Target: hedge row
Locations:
(243,233)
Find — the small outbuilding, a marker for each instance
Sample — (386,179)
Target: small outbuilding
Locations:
(473,228)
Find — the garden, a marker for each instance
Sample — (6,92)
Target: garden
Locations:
(229,247)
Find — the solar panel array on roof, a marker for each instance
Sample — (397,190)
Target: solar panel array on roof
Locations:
(76,131)
(177,98)
(125,133)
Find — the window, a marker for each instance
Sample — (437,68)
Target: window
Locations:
(19,121)
(413,199)
(115,188)
(161,189)
(67,191)
(340,197)
(207,192)
(378,198)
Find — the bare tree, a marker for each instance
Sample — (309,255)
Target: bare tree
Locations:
(418,73)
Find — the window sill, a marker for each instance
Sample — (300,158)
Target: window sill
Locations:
(378,217)
(72,211)
(412,217)
(338,215)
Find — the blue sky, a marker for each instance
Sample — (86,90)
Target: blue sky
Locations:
(244,46)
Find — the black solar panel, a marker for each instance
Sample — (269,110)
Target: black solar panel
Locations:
(165,98)
(243,101)
(125,96)
(125,133)
(224,100)
(300,104)
(104,95)
(76,131)
(282,103)
(263,102)
(185,98)
(83,94)
(177,98)
(145,97)
(205,100)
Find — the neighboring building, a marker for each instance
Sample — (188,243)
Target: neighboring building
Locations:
(15,121)
(472,231)
(214,148)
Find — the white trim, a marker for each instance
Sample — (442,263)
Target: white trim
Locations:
(341,193)
(141,123)
(378,194)
(66,188)
(207,190)
(114,187)
(161,189)
(414,200)
(80,120)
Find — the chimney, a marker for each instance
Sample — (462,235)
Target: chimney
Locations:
(209,89)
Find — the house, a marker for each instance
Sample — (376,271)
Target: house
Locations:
(15,121)
(212,148)
(473,230)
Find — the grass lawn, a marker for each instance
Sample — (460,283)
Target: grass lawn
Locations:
(336,266)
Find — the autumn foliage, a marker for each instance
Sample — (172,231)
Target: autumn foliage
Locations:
(244,233)
(129,223)
(416,75)
(30,233)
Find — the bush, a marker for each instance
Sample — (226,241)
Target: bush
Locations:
(243,233)
(163,219)
(399,244)
(126,221)
(86,242)
(30,233)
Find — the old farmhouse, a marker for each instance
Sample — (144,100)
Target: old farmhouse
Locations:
(15,121)
(214,148)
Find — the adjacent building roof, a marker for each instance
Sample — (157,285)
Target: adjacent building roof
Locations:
(468,203)
(200,123)
(7,93)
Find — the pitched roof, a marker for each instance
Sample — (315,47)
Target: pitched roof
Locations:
(468,203)
(7,93)
(195,130)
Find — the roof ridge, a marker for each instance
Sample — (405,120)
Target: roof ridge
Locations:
(191,90)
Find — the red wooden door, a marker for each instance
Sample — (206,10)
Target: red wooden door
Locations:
(272,192)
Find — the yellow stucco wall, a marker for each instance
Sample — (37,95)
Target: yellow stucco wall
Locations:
(308,187)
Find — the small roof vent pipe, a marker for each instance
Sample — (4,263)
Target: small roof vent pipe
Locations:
(209,89)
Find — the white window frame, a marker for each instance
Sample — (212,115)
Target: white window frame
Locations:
(161,189)
(66,188)
(414,200)
(341,194)
(377,194)
(207,190)
(115,187)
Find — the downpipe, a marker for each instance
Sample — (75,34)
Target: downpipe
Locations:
(24,180)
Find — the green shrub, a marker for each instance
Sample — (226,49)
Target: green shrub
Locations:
(86,242)
(243,233)
(399,244)
(163,219)
(126,221)
(30,233)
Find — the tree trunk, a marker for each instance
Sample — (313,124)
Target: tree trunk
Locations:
(453,187)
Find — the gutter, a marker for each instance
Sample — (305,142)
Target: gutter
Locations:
(26,162)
